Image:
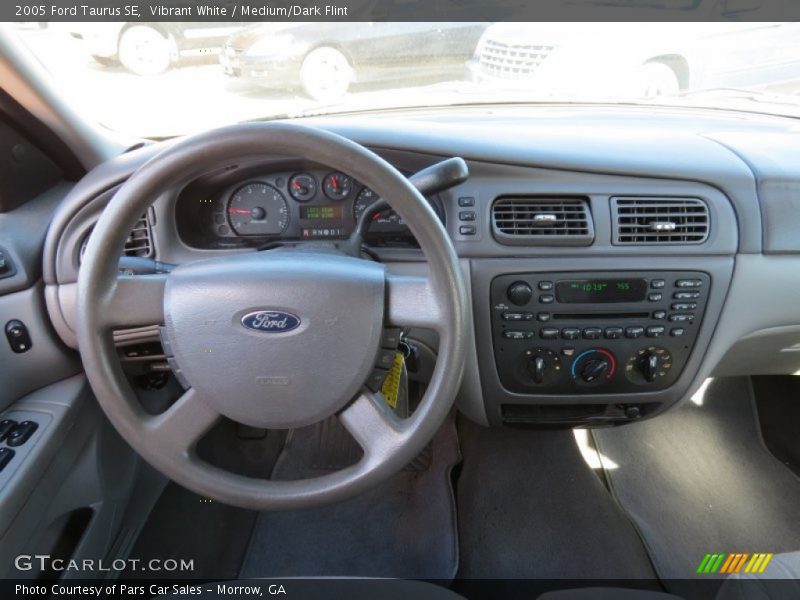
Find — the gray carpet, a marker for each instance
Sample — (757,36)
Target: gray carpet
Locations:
(699,479)
(405,528)
(530,507)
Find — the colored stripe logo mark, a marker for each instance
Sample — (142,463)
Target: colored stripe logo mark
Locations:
(736,562)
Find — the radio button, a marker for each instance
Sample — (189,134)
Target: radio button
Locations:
(684,306)
(688,283)
(545,286)
(676,331)
(657,284)
(592,333)
(613,333)
(517,316)
(655,297)
(634,332)
(546,299)
(549,333)
(568,351)
(660,314)
(543,317)
(518,335)
(686,295)
(570,333)
(655,331)
(681,318)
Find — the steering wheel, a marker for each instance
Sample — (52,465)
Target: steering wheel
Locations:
(305,360)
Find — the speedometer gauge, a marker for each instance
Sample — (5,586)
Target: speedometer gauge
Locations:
(387,217)
(258,209)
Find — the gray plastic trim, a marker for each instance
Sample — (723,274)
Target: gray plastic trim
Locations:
(54,408)
(774,159)
(762,316)
(22,235)
(45,362)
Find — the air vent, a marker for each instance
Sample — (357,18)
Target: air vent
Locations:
(532,221)
(660,220)
(139,241)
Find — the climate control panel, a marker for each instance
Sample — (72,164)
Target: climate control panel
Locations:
(595,332)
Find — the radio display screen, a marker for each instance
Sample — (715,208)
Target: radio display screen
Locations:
(601,290)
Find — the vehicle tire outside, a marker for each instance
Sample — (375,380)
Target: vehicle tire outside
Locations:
(144,50)
(326,74)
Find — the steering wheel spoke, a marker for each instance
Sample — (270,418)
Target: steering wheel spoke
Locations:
(135,301)
(183,423)
(413,303)
(374,426)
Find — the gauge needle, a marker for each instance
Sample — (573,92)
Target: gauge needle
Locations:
(239,211)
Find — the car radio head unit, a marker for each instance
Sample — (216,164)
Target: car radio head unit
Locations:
(595,332)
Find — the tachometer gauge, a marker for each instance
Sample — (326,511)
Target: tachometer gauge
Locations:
(302,187)
(337,186)
(258,209)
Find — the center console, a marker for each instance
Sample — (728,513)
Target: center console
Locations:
(586,332)
(594,340)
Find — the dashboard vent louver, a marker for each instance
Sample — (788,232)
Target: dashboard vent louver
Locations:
(532,220)
(139,242)
(659,220)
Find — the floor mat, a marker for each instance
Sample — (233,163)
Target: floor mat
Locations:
(699,479)
(530,507)
(186,526)
(404,528)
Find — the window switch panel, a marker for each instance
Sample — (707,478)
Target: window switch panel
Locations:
(6,425)
(21,433)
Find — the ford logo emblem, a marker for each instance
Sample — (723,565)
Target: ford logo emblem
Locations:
(271,321)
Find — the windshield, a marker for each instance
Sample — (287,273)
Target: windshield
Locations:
(163,79)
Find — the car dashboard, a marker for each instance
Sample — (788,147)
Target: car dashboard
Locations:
(251,205)
(616,257)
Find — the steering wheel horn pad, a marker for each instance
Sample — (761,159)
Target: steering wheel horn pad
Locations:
(273,372)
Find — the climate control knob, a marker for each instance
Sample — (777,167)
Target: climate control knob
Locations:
(543,365)
(648,365)
(519,293)
(594,366)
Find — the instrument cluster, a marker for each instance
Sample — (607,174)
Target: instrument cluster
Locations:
(246,207)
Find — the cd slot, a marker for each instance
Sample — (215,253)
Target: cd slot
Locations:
(600,315)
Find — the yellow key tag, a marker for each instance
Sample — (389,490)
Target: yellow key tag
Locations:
(391,385)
